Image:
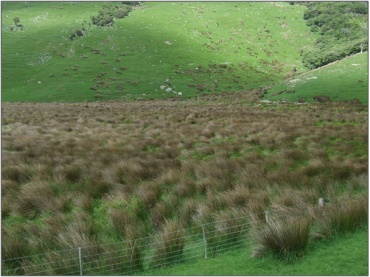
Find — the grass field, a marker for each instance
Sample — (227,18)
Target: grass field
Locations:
(344,80)
(202,48)
(342,256)
(84,174)
(83,165)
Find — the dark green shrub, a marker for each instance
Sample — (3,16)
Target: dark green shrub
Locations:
(16,20)
(122,12)
(108,13)
(342,30)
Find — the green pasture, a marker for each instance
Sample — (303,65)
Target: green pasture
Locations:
(344,80)
(200,47)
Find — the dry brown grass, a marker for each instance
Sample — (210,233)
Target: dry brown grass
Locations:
(169,244)
(345,214)
(285,236)
(177,159)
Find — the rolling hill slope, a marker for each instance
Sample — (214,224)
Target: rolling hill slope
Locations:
(201,48)
(344,80)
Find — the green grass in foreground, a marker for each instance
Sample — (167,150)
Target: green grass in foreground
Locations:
(343,255)
(343,80)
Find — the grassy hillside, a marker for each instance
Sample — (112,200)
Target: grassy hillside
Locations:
(344,80)
(201,47)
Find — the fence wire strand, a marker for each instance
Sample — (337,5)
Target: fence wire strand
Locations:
(144,253)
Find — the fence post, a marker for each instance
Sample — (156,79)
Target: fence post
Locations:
(321,202)
(267,216)
(80,260)
(204,242)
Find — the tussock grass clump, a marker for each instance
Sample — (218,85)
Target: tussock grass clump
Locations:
(188,210)
(107,172)
(135,255)
(17,173)
(71,174)
(15,245)
(230,227)
(186,188)
(169,243)
(119,219)
(53,263)
(344,215)
(284,236)
(159,213)
(78,232)
(149,194)
(237,197)
(34,198)
(84,201)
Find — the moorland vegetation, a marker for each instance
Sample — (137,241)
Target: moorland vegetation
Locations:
(96,172)
(88,174)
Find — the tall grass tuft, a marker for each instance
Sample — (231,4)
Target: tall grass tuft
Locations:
(53,263)
(17,173)
(159,213)
(149,194)
(15,245)
(229,229)
(345,215)
(134,254)
(286,237)
(169,244)
(34,198)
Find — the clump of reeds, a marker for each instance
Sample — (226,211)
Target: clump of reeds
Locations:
(119,219)
(169,244)
(237,197)
(15,245)
(230,228)
(159,213)
(286,236)
(141,162)
(344,215)
(134,252)
(53,263)
(188,210)
(149,194)
(17,173)
(34,198)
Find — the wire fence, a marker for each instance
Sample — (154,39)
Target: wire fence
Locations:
(131,256)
